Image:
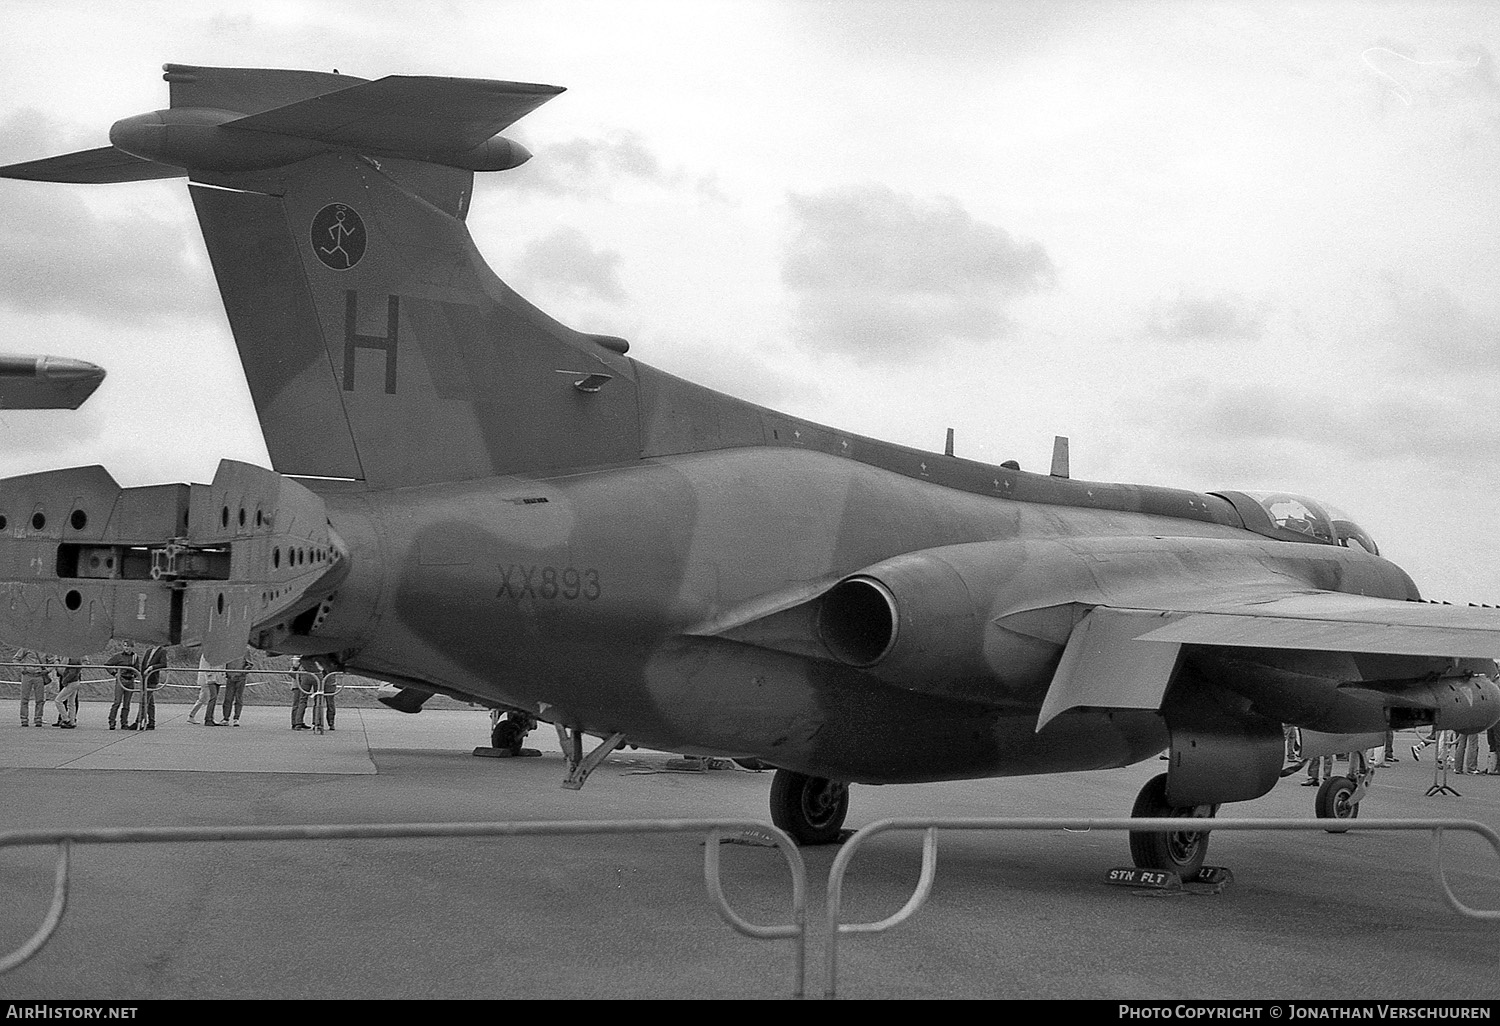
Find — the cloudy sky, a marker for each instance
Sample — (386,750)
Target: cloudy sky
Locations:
(1218,245)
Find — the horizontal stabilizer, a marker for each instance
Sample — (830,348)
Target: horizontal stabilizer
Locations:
(248,90)
(407,114)
(91,167)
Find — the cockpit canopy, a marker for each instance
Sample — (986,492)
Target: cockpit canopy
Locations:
(1297,518)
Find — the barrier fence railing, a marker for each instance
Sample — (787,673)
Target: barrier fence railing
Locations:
(56,667)
(717,830)
(837,928)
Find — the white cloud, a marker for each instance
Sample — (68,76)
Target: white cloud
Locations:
(566,261)
(1198,315)
(881,275)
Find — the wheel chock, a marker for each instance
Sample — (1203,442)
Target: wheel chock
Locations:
(506,753)
(1217,877)
(1143,879)
(1208,880)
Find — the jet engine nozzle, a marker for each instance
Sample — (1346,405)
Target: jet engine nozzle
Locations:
(923,621)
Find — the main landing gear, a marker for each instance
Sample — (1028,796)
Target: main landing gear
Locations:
(810,809)
(1181,851)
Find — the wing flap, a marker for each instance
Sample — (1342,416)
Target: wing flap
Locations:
(405,113)
(1106,664)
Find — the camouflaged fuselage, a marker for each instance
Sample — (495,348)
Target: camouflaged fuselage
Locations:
(597,599)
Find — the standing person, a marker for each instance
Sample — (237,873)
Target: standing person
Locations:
(148,665)
(300,679)
(33,684)
(1466,754)
(69,680)
(208,692)
(234,688)
(127,682)
(1318,770)
(1493,737)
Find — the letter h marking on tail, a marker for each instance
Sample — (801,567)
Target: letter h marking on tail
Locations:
(385,343)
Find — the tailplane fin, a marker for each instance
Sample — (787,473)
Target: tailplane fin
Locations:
(376,342)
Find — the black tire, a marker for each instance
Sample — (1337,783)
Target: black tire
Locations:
(1180,852)
(507,734)
(1333,800)
(810,809)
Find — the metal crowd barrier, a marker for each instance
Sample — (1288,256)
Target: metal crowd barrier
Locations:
(716,829)
(56,667)
(837,929)
(317,687)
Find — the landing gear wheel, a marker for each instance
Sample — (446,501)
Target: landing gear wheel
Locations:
(1181,852)
(811,809)
(1333,800)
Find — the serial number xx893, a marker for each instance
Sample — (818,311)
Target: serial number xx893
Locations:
(548,583)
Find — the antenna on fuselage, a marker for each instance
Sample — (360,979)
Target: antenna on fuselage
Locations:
(1060,456)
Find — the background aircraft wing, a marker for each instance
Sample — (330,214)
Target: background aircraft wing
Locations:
(91,167)
(405,113)
(46,382)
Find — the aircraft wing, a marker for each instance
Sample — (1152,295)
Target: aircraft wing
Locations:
(1125,657)
(1335,622)
(405,113)
(91,167)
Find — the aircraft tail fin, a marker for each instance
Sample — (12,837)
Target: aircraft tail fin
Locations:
(379,346)
(376,343)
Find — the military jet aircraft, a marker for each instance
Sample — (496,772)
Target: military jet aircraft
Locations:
(471,498)
(46,382)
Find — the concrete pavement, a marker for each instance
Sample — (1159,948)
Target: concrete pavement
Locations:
(1310,915)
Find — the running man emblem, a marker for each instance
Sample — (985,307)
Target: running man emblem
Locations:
(338,236)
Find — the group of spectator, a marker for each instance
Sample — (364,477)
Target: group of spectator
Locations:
(135,670)
(1477,753)
(1461,752)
